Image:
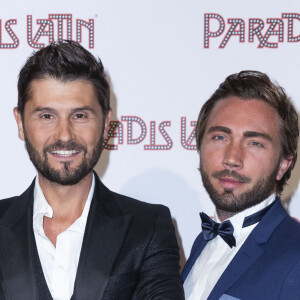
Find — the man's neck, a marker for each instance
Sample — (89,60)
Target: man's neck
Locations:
(224,215)
(67,203)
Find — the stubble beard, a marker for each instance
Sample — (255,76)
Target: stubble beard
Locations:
(228,202)
(66,175)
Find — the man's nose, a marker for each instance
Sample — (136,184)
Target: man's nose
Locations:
(233,156)
(64,131)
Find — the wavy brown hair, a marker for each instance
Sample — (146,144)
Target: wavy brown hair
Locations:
(248,85)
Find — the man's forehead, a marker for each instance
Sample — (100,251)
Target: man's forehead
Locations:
(54,96)
(51,88)
(58,81)
(244,115)
(234,106)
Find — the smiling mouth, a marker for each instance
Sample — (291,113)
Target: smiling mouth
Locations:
(64,153)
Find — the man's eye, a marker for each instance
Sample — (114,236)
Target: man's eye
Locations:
(218,137)
(256,144)
(80,116)
(46,116)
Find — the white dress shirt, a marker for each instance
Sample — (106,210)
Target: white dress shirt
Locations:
(217,255)
(59,264)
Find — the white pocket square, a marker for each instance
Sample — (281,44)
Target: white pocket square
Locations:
(228,297)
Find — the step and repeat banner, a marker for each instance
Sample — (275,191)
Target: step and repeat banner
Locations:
(164,58)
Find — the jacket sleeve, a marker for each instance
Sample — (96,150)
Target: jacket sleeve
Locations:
(159,276)
(291,286)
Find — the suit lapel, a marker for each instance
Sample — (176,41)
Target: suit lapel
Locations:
(250,251)
(16,257)
(245,257)
(105,232)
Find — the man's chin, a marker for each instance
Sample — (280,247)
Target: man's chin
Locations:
(227,202)
(230,193)
(64,177)
(64,180)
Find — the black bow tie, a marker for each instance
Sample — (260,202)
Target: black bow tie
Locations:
(211,229)
(225,230)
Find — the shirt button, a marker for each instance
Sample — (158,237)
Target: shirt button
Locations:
(61,267)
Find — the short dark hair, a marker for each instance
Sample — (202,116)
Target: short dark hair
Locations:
(64,61)
(248,85)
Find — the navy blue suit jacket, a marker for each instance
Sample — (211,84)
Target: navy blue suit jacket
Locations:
(268,264)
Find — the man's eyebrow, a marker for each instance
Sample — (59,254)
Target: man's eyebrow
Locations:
(52,110)
(44,109)
(86,108)
(250,134)
(219,128)
(247,134)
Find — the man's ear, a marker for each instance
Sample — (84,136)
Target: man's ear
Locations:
(284,166)
(18,118)
(106,124)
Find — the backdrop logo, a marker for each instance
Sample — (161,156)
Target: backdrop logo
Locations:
(44,31)
(266,33)
(158,138)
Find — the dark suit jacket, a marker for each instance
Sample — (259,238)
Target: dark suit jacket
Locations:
(267,266)
(129,250)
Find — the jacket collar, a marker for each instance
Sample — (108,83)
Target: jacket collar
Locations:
(104,236)
(16,249)
(18,208)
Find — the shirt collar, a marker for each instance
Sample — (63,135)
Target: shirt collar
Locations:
(42,208)
(40,204)
(238,219)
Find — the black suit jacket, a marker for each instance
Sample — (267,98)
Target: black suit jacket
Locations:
(129,250)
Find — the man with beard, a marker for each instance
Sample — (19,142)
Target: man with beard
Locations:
(68,236)
(247,135)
